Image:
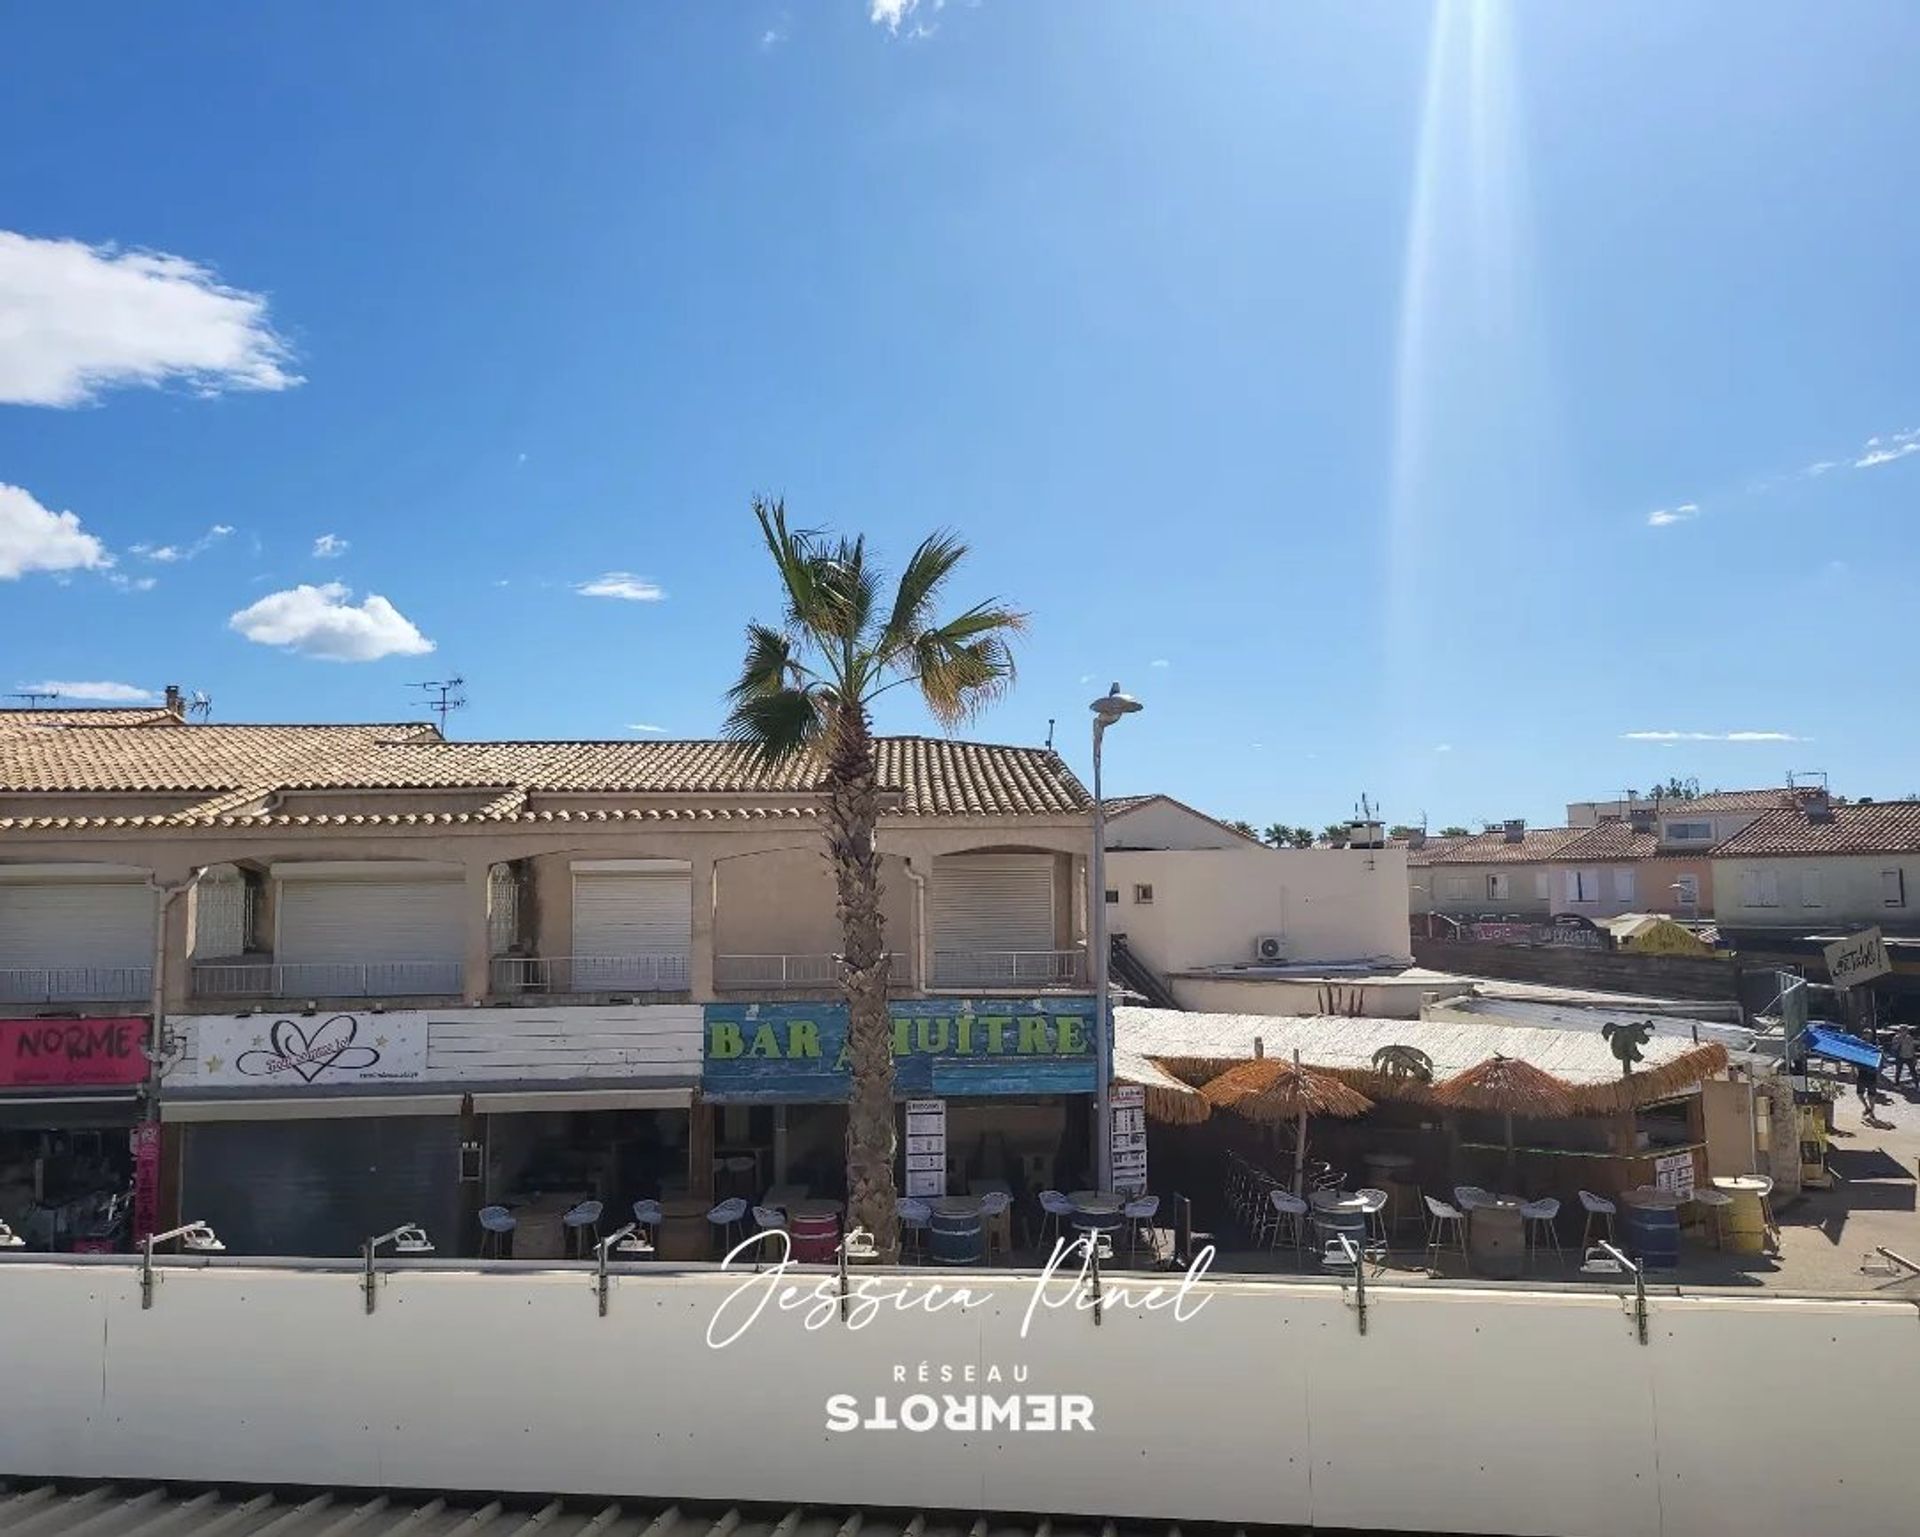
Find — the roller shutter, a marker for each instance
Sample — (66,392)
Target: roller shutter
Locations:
(80,939)
(342,937)
(322,1187)
(632,928)
(992,919)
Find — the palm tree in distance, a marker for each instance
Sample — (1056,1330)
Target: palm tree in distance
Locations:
(806,687)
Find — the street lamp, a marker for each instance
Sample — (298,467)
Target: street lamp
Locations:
(1108,709)
(408,1238)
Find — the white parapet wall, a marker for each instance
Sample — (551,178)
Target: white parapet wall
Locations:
(1458,1410)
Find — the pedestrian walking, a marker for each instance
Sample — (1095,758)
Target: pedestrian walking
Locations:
(1905,1051)
(1866,1078)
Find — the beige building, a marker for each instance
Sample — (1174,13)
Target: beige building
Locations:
(1823,865)
(379,861)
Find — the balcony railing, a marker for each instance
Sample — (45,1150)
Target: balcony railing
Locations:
(1009,968)
(75,984)
(659,972)
(734,972)
(327,979)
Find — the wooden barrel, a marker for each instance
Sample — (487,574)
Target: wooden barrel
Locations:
(1652,1233)
(954,1238)
(816,1240)
(1743,1225)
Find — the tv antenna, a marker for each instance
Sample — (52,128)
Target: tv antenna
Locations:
(444,698)
(200,706)
(34,696)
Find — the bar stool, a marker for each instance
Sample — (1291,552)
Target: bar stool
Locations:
(1539,1218)
(577,1222)
(1289,1220)
(1374,1205)
(993,1205)
(1058,1209)
(1142,1209)
(914,1215)
(1445,1224)
(1715,1203)
(647,1214)
(727,1218)
(1600,1207)
(1768,1221)
(496,1229)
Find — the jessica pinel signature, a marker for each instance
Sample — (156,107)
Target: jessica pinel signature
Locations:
(818,1303)
(309,1053)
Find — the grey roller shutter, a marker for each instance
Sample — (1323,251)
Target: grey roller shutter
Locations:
(342,938)
(993,919)
(631,928)
(80,939)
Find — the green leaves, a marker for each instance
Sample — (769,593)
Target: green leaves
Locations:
(1626,1041)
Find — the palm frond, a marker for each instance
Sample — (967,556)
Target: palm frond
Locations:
(795,555)
(771,664)
(926,572)
(776,725)
(966,663)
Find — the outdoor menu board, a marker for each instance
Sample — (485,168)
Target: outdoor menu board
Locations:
(1674,1171)
(1128,1104)
(926,1147)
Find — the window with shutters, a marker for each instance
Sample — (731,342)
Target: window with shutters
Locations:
(1499,886)
(1583,886)
(1624,885)
(1143,894)
(1759,888)
(1893,888)
(992,919)
(1812,889)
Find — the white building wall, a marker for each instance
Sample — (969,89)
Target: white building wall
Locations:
(1160,824)
(1816,890)
(1464,1409)
(1209,905)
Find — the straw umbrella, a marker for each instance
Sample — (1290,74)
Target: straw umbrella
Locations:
(1510,1087)
(1270,1091)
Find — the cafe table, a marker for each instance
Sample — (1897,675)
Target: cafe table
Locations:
(1497,1238)
(955,1234)
(785,1197)
(1097,1211)
(1744,1226)
(685,1234)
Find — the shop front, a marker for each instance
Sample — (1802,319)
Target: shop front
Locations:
(991,1094)
(304,1135)
(69,1130)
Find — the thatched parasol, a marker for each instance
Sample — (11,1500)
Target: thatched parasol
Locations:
(1270,1091)
(1508,1087)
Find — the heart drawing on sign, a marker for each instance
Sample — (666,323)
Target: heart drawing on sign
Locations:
(310,1053)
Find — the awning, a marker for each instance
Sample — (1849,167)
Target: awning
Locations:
(511,1103)
(314,1107)
(1837,1046)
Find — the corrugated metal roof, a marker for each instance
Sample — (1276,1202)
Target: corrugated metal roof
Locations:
(29,1509)
(1570,1047)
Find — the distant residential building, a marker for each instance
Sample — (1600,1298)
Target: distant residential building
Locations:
(1822,864)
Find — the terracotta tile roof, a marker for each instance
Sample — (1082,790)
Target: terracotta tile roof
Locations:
(1427,853)
(1880,827)
(1493,848)
(12,721)
(1612,841)
(234,767)
(1730,800)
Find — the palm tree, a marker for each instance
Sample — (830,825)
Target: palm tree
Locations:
(1625,1042)
(1244,829)
(1277,835)
(806,687)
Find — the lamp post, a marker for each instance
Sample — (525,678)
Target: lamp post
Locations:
(408,1238)
(1109,708)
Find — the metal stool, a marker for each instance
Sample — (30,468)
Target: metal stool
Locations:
(1540,1218)
(1445,1225)
(1596,1207)
(578,1222)
(496,1230)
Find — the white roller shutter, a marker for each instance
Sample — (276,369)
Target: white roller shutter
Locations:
(83,939)
(993,919)
(344,937)
(631,927)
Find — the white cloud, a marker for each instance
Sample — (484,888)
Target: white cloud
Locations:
(77,319)
(890,13)
(99,693)
(33,538)
(1821,466)
(650,730)
(1885,450)
(1444,747)
(121,582)
(1711,736)
(620,584)
(1660,517)
(327,546)
(321,622)
(167,554)
(1159,661)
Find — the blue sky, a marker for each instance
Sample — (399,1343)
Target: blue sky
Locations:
(1423,402)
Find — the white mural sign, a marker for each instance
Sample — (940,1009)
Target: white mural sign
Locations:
(1858,959)
(311,1050)
(926,1147)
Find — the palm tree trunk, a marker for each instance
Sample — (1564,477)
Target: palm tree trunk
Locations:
(853,808)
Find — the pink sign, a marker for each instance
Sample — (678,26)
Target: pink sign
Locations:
(72,1053)
(145,1143)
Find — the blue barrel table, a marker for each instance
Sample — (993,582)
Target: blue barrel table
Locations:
(956,1234)
(1650,1226)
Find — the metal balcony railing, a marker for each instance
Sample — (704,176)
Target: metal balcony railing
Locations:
(75,984)
(789,971)
(663,971)
(1009,968)
(327,979)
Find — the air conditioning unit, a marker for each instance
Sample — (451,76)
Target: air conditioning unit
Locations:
(1269,948)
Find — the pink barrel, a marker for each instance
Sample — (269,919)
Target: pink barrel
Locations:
(816,1240)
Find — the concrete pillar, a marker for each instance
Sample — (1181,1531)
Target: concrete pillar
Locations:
(178,946)
(475,979)
(553,905)
(700,960)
